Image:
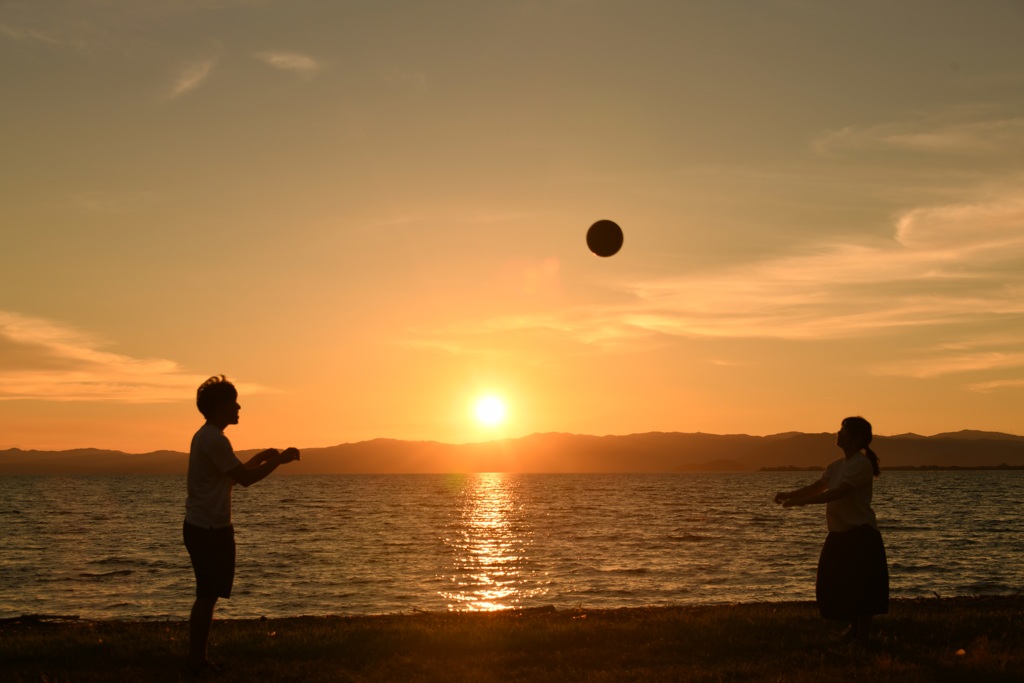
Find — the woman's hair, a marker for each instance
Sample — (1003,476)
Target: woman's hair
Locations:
(213,392)
(860,429)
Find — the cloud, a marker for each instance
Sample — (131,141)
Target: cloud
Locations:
(99,26)
(22,34)
(982,230)
(942,365)
(984,137)
(945,264)
(63,28)
(985,387)
(190,77)
(58,363)
(301,65)
(959,265)
(970,354)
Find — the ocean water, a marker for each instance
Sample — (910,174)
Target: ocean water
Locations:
(110,546)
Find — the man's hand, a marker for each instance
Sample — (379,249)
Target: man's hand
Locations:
(262,464)
(262,457)
(793,502)
(288,455)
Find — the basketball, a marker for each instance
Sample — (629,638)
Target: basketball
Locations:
(604,238)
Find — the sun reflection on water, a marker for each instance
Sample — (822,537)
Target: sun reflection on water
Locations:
(489,541)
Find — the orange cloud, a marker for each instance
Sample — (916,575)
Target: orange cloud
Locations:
(59,363)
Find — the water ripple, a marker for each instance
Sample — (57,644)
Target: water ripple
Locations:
(105,547)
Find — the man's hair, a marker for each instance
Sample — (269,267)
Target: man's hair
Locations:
(214,392)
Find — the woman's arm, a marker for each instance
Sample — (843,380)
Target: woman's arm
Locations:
(826,496)
(810,490)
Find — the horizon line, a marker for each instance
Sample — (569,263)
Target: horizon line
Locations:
(945,434)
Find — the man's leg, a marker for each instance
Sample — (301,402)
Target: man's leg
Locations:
(199,630)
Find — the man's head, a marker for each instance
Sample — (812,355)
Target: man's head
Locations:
(217,400)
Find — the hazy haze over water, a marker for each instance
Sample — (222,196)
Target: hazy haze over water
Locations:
(110,546)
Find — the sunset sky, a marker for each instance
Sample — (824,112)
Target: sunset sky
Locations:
(371,214)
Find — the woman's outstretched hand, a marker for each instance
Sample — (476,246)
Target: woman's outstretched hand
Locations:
(789,499)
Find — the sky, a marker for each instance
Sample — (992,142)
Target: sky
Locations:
(369,215)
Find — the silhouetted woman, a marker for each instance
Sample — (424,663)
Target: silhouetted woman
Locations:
(853,577)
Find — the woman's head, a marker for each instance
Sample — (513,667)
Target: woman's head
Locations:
(855,434)
(858,431)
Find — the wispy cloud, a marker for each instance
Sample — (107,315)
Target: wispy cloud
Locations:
(969,355)
(301,65)
(985,387)
(947,264)
(985,136)
(21,33)
(190,77)
(59,363)
(948,364)
(960,265)
(99,26)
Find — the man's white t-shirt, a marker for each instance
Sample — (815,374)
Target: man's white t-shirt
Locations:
(852,510)
(208,504)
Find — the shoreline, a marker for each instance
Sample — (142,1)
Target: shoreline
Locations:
(921,639)
(43,619)
(907,468)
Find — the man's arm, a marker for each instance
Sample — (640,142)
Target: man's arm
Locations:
(247,475)
(260,458)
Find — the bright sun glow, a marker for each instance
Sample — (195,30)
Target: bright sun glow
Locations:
(490,411)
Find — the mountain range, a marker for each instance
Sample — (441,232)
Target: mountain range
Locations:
(556,452)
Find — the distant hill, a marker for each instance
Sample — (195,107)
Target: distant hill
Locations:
(555,452)
(979,436)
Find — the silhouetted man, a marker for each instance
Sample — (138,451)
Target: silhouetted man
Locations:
(213,468)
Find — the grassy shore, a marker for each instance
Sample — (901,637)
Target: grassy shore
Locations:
(958,639)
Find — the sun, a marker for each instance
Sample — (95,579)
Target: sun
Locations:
(490,411)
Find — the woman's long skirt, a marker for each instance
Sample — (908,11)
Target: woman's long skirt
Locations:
(853,575)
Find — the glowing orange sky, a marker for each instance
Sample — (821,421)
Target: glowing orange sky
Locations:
(370,216)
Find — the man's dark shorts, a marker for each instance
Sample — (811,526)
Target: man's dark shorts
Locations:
(213,559)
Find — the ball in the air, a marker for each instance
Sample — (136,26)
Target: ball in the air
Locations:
(604,238)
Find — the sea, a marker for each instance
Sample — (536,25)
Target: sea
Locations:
(110,547)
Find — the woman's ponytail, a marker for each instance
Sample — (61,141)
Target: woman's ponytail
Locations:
(874,460)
